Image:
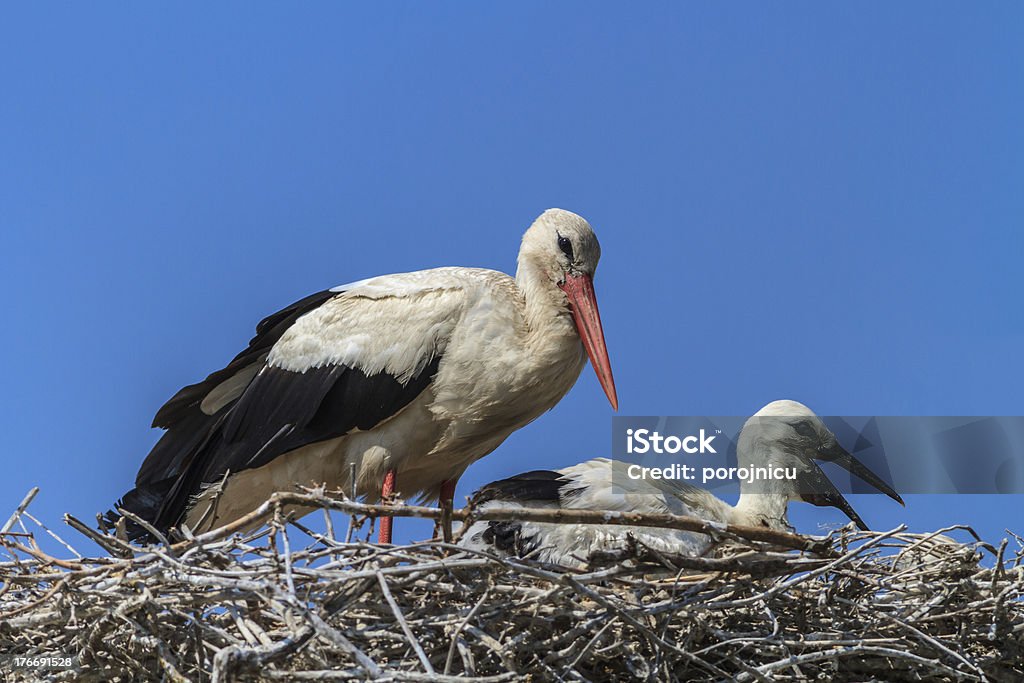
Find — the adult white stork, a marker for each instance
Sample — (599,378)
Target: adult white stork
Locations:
(783,434)
(408,377)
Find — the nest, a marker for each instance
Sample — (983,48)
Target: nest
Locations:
(287,603)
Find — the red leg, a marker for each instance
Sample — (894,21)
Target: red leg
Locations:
(448,491)
(446,498)
(386,491)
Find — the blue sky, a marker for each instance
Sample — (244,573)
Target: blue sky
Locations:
(822,203)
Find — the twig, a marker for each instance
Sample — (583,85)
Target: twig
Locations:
(413,642)
(230,606)
(25,502)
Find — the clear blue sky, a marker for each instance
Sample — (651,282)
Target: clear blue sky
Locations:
(823,203)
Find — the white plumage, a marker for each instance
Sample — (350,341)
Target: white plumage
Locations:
(783,434)
(408,377)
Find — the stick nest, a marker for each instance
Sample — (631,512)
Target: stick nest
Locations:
(286,603)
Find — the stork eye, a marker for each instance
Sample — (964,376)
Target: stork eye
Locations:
(804,429)
(565,245)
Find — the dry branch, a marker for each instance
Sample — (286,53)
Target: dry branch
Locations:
(225,606)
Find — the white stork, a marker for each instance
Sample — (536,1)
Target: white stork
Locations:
(783,434)
(409,377)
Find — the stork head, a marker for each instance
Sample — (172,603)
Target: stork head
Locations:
(559,254)
(788,434)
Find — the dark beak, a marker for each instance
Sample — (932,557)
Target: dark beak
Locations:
(845,459)
(818,490)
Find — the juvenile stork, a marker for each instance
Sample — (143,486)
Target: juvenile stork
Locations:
(783,434)
(408,377)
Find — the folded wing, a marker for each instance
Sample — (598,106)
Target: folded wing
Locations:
(337,361)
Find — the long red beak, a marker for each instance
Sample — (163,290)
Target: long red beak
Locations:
(580,290)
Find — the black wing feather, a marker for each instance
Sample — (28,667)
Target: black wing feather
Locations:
(268,331)
(508,537)
(537,486)
(182,417)
(279,411)
(282,411)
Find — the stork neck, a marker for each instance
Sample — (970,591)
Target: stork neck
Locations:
(544,306)
(762,509)
(764,500)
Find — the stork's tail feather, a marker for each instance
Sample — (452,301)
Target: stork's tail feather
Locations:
(144,502)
